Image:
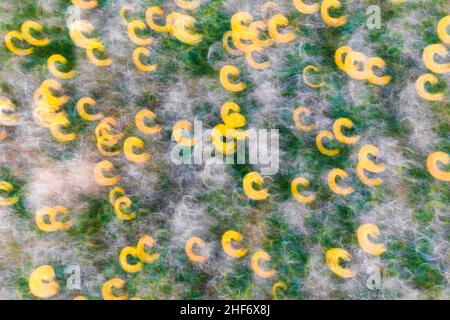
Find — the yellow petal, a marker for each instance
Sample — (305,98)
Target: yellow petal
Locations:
(77,31)
(26,28)
(298,123)
(7,116)
(339,135)
(48,219)
(7,201)
(319,138)
(227,239)
(105,134)
(276,287)
(121,206)
(324,11)
(368,246)
(240,22)
(42,282)
(106,151)
(180,26)
(44,93)
(3,136)
(307,81)
(255,29)
(99,176)
(188,4)
(338,56)
(333,185)
(146,240)
(225,74)
(90,49)
(373,182)
(333,257)
(123,260)
(190,243)
(85,4)
(254,178)
(251,61)
(230,115)
(138,25)
(137,53)
(179,130)
(140,122)
(132,143)
(218,134)
(442,28)
(422,91)
(81,108)
(108,286)
(276,21)
(56,132)
(115,193)
(306,8)
(371,77)
(225,42)
(297,195)
(123,12)
(433,169)
(256,267)
(150,21)
(428,58)
(364,160)
(52,67)
(12,47)
(352,61)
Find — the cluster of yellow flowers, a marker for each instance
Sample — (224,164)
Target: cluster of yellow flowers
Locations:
(232,121)
(429,53)
(178,24)
(77,31)
(47,110)
(25,35)
(428,59)
(43,284)
(324,11)
(335,255)
(139,41)
(359,67)
(52,219)
(249,37)
(107,140)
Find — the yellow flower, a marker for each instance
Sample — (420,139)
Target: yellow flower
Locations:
(254,178)
(190,243)
(42,282)
(333,257)
(227,239)
(256,267)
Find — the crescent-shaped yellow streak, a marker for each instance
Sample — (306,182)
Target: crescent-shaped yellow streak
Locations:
(368,246)
(249,180)
(332,258)
(433,169)
(256,267)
